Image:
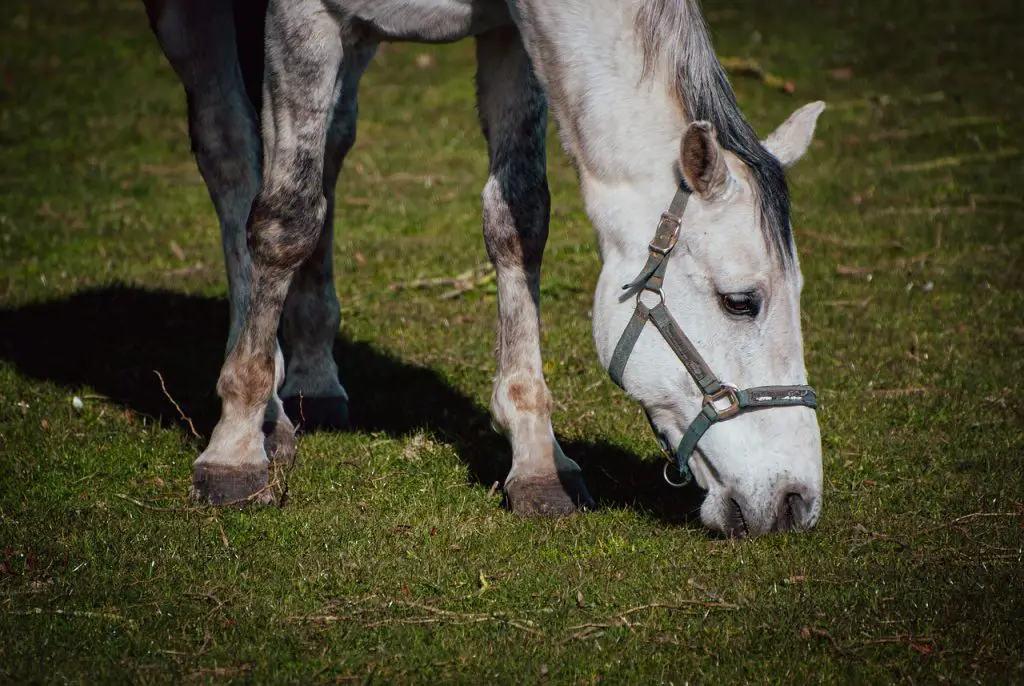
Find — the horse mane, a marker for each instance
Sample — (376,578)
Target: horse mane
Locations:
(674,33)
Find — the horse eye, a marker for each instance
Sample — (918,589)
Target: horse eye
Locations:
(741,304)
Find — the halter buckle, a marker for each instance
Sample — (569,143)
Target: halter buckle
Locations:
(673,238)
(727,391)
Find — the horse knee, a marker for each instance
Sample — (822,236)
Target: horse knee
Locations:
(284,227)
(516,215)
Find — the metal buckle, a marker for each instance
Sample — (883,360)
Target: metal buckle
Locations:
(673,239)
(726,391)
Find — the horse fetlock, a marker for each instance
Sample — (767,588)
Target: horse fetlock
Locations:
(313,397)
(318,413)
(247,381)
(521,400)
(278,433)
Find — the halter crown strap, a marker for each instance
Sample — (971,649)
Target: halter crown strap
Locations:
(715,391)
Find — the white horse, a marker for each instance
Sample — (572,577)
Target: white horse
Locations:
(677,185)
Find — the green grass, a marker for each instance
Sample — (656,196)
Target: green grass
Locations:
(391,561)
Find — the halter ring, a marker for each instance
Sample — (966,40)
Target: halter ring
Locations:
(657,291)
(687,478)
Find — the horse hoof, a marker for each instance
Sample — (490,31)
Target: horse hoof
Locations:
(279,442)
(548,496)
(231,485)
(324,413)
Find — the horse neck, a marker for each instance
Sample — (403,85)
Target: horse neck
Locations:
(620,128)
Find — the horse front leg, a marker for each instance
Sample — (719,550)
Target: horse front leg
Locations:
(312,393)
(516,208)
(201,41)
(284,229)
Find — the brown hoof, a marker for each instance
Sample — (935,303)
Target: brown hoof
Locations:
(328,413)
(236,486)
(279,442)
(548,496)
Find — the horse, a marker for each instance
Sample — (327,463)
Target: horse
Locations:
(649,120)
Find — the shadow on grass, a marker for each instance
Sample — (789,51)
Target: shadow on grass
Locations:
(112,339)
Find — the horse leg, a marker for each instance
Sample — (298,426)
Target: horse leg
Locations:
(516,207)
(200,41)
(309,323)
(303,57)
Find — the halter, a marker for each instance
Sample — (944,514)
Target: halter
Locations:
(716,392)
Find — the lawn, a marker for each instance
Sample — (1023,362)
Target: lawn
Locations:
(393,559)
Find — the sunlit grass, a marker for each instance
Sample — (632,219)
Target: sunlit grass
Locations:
(393,559)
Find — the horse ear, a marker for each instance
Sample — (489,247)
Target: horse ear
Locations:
(790,141)
(702,161)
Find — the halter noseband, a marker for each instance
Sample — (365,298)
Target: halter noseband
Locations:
(714,389)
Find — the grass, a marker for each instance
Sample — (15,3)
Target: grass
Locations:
(393,559)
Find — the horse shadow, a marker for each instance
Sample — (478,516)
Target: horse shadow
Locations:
(113,339)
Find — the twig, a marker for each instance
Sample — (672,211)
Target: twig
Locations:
(848,303)
(144,506)
(876,536)
(203,649)
(898,639)
(619,619)
(208,596)
(741,66)
(436,614)
(850,270)
(717,604)
(174,402)
(833,240)
(223,536)
(884,100)
(186,271)
(955,161)
(903,134)
(714,596)
(900,392)
(221,671)
(493,489)
(461,283)
(967,517)
(74,613)
(467,286)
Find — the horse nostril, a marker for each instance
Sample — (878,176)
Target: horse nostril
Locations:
(735,521)
(793,512)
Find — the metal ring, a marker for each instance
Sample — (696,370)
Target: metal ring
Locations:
(673,484)
(657,291)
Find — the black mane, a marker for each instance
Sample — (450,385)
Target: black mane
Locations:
(673,32)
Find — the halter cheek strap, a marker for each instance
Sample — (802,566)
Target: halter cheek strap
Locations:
(722,401)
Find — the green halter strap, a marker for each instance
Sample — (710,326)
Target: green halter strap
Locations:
(722,401)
